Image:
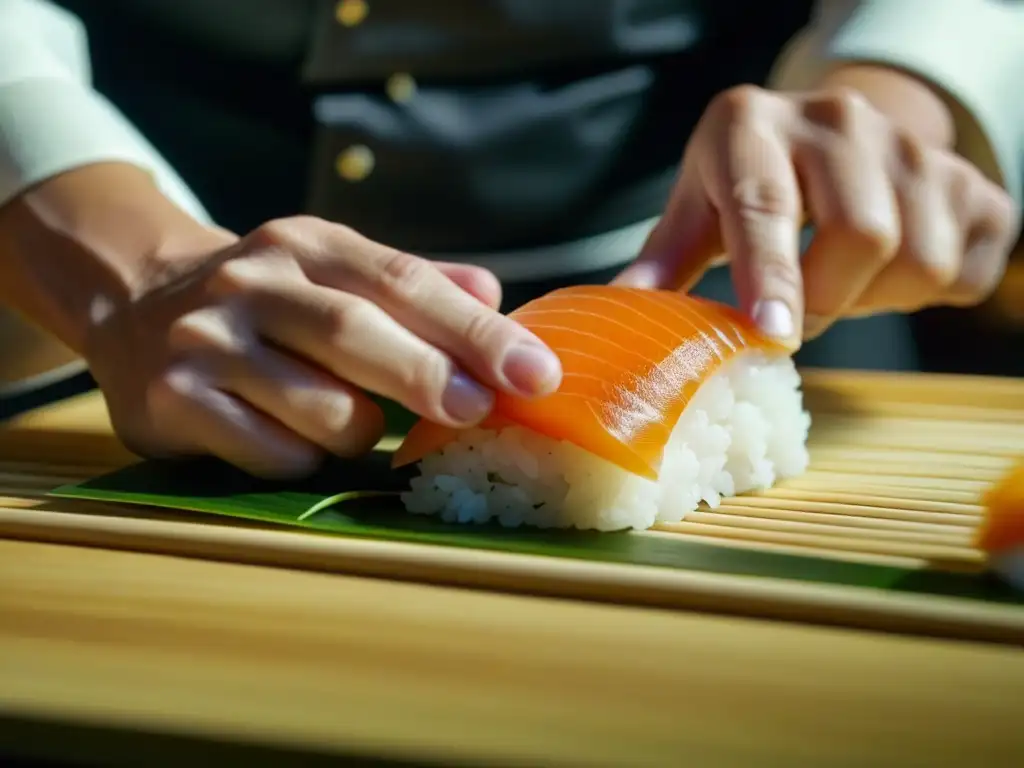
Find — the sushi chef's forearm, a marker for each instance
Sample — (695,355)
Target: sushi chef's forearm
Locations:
(85,241)
(970,52)
(87,205)
(52,120)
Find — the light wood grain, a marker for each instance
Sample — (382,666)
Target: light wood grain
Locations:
(885,487)
(265,655)
(524,574)
(74,432)
(881,481)
(332,662)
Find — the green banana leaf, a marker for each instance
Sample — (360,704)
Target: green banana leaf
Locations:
(211,487)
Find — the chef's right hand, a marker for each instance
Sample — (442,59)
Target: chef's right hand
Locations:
(263,353)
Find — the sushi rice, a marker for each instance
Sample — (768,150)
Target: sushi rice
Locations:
(744,429)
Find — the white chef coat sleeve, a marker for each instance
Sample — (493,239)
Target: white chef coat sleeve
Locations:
(972,51)
(52,119)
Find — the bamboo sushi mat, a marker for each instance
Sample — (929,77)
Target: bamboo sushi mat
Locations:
(898,465)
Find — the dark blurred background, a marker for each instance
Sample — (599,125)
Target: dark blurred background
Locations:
(250,75)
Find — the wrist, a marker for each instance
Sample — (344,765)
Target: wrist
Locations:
(908,101)
(89,241)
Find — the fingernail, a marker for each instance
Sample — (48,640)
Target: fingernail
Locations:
(466,401)
(646,275)
(532,369)
(775,319)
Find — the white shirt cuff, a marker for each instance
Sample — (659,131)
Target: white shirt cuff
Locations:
(972,50)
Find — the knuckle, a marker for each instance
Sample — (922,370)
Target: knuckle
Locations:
(350,318)
(251,277)
(335,413)
(933,263)
(483,329)
(191,331)
(913,156)
(167,391)
(275,233)
(937,275)
(989,211)
(402,276)
(757,197)
(233,276)
(999,215)
(739,102)
(874,238)
(962,189)
(780,278)
(204,330)
(362,428)
(982,273)
(427,375)
(841,110)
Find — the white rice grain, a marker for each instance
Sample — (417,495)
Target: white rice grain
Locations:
(744,429)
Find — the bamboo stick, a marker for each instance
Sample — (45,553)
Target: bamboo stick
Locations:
(817,478)
(858,454)
(962,516)
(907,498)
(925,469)
(955,413)
(853,532)
(898,469)
(603,582)
(917,549)
(840,522)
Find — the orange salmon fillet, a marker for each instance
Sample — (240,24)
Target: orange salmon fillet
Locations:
(1002,528)
(632,359)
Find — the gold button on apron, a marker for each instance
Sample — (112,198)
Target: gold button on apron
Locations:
(400,87)
(355,163)
(350,13)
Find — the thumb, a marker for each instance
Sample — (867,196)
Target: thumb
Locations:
(683,245)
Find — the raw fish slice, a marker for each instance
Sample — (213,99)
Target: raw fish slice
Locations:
(632,360)
(1001,534)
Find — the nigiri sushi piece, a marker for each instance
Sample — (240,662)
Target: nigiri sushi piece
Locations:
(666,401)
(1001,533)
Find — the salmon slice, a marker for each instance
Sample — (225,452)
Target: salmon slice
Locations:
(632,359)
(1002,528)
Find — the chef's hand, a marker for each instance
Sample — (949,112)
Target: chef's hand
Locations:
(263,353)
(899,225)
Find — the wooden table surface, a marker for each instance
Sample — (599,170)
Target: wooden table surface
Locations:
(141,659)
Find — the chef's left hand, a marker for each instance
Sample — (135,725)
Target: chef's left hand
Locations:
(899,225)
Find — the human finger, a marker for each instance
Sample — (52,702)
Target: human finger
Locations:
(315,405)
(493,348)
(476,281)
(752,184)
(929,257)
(991,225)
(490,346)
(193,417)
(849,197)
(359,342)
(682,246)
